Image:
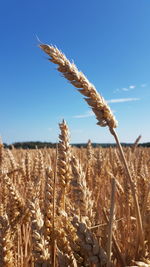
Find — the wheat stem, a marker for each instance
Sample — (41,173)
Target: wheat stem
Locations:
(138,214)
(110,225)
(54,213)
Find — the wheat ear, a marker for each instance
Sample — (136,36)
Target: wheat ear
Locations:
(39,244)
(6,243)
(99,107)
(1,153)
(63,170)
(77,78)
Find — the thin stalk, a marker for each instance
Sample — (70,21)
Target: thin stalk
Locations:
(54,212)
(144,205)
(110,225)
(137,208)
(136,143)
(119,256)
(104,224)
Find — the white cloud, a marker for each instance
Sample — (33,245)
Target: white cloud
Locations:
(132,86)
(85,115)
(121,100)
(129,88)
(125,89)
(90,113)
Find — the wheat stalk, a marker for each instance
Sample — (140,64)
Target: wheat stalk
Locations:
(110,225)
(136,143)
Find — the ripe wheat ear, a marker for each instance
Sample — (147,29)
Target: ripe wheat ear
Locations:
(78,79)
(102,111)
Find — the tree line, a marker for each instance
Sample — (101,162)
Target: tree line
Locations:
(39,145)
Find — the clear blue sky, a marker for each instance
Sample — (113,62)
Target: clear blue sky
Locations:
(108,40)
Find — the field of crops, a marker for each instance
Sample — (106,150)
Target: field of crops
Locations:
(73,207)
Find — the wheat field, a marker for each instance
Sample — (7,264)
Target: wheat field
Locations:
(55,206)
(72,206)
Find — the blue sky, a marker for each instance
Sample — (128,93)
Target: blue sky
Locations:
(109,41)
